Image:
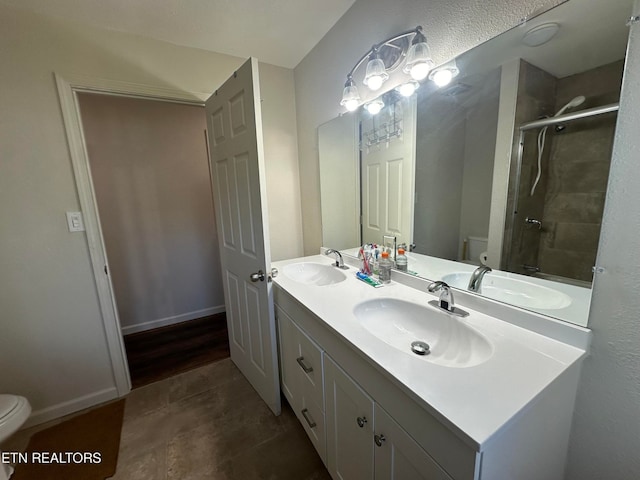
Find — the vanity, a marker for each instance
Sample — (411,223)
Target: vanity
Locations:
(490,399)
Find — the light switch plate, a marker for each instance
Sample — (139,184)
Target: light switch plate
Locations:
(75,222)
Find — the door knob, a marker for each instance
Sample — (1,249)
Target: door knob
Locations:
(379,439)
(259,275)
(274,272)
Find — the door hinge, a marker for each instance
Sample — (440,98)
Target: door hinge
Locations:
(106,271)
(633,20)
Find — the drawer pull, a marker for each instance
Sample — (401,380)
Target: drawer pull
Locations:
(361,421)
(379,439)
(307,417)
(306,369)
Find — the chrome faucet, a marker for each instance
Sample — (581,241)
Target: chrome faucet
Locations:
(445,302)
(446,295)
(339,261)
(476,278)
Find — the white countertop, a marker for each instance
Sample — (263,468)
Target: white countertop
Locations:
(476,401)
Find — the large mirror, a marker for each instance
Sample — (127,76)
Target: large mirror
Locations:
(506,166)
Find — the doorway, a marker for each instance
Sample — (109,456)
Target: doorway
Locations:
(149,171)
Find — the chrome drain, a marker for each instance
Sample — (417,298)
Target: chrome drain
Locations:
(420,348)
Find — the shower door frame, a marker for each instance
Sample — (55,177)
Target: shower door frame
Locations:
(544,122)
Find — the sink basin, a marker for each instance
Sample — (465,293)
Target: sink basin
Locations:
(311,273)
(514,291)
(400,323)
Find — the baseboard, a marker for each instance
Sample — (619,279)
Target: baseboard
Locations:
(163,322)
(65,408)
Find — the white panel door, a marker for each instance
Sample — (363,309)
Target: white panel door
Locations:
(387,180)
(234,124)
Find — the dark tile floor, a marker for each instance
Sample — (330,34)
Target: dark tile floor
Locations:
(208,423)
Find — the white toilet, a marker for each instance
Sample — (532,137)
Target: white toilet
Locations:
(14,411)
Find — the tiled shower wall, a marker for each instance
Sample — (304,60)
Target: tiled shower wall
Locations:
(569,199)
(577,177)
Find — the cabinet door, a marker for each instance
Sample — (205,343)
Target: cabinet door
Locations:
(350,422)
(289,377)
(398,456)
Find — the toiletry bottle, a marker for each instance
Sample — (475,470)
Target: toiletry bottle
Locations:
(384,268)
(401,260)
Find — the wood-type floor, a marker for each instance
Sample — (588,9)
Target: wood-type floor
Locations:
(157,354)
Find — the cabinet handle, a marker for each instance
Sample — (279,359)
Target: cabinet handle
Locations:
(379,439)
(306,369)
(361,421)
(307,417)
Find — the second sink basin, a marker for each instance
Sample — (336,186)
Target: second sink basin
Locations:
(310,273)
(511,290)
(400,323)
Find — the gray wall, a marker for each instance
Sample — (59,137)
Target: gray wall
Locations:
(440,163)
(150,173)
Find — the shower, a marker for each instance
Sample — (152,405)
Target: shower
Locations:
(542,136)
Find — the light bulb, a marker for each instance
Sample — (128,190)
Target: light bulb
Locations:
(351,105)
(442,77)
(374,82)
(420,70)
(374,107)
(407,89)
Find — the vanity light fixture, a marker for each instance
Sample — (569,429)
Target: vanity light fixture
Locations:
(409,47)
(443,75)
(374,106)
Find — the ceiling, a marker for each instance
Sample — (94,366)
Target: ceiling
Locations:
(280,32)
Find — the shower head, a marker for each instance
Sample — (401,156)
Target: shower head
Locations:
(572,104)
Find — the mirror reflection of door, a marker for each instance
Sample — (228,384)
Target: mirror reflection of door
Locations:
(387,171)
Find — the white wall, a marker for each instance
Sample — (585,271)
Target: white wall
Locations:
(606,427)
(52,343)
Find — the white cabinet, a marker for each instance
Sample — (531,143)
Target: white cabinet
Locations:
(398,456)
(363,400)
(363,441)
(301,378)
(349,426)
